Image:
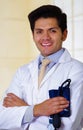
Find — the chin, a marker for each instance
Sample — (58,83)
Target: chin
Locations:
(46,54)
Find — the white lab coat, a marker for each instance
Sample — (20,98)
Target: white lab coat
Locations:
(25,85)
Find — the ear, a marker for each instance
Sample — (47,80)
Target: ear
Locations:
(64,35)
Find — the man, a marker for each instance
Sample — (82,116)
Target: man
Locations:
(26,104)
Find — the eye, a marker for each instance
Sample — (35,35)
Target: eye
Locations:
(53,30)
(38,31)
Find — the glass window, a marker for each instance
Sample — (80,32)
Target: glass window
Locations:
(74,11)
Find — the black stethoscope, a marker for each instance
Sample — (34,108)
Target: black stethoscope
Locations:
(56,117)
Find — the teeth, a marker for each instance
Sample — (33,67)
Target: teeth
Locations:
(46,44)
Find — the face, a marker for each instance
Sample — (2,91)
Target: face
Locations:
(48,36)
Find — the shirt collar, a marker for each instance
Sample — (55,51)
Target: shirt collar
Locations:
(53,57)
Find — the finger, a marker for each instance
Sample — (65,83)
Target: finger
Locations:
(7,103)
(58,110)
(60,100)
(12,95)
(8,99)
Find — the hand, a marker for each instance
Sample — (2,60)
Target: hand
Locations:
(12,100)
(51,106)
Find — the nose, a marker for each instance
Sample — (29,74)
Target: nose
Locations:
(46,35)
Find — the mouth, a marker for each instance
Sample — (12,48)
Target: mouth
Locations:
(46,44)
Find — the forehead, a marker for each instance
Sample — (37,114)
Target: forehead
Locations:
(45,22)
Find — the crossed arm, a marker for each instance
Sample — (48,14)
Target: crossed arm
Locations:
(46,108)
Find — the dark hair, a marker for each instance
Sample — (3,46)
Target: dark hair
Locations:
(47,11)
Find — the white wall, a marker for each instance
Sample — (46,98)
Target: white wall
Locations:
(16,43)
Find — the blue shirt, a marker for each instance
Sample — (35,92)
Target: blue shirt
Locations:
(53,58)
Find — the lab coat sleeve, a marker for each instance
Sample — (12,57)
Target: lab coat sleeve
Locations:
(28,116)
(75,120)
(11,117)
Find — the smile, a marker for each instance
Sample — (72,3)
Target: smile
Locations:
(46,44)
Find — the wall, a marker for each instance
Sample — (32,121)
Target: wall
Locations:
(16,44)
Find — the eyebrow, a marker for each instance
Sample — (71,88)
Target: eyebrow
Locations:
(53,28)
(48,28)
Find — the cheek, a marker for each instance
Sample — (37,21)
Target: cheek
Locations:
(59,38)
(36,38)
(57,42)
(37,42)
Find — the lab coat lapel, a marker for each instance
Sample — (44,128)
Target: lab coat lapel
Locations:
(63,59)
(50,72)
(33,67)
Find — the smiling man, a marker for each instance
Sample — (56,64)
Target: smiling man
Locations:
(48,36)
(26,105)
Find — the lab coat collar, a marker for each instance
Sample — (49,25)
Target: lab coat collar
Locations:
(66,57)
(33,67)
